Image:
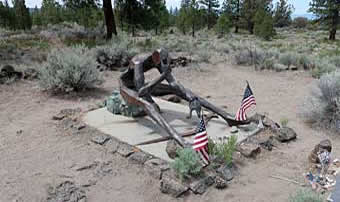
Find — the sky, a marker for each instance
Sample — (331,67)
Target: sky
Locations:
(300,6)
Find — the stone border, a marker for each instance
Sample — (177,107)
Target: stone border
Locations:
(159,169)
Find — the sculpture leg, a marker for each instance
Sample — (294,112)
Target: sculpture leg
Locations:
(132,97)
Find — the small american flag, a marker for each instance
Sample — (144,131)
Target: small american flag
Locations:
(201,142)
(248,101)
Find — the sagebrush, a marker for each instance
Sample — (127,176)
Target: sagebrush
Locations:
(305,195)
(322,107)
(69,69)
(187,163)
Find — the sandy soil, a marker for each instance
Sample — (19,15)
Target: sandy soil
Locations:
(35,154)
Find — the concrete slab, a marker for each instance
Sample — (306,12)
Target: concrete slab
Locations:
(137,130)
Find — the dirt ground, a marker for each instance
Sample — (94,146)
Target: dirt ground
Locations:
(35,153)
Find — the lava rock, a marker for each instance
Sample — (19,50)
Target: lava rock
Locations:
(155,167)
(171,148)
(220,183)
(125,150)
(139,157)
(112,146)
(172,187)
(225,172)
(100,139)
(285,134)
(66,192)
(200,186)
(249,150)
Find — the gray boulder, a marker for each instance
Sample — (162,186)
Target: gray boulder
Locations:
(285,134)
(225,172)
(172,186)
(171,148)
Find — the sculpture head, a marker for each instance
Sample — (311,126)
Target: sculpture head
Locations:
(161,56)
(195,105)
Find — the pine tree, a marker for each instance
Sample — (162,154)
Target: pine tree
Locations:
(51,12)
(223,24)
(282,14)
(232,8)
(36,17)
(264,26)
(327,11)
(211,7)
(250,8)
(23,18)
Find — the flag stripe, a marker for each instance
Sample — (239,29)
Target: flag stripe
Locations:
(201,142)
(247,101)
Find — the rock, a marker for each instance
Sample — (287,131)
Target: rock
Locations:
(104,168)
(249,150)
(80,126)
(125,150)
(171,148)
(270,123)
(323,145)
(200,186)
(268,144)
(155,167)
(172,186)
(225,172)
(66,113)
(100,139)
(220,183)
(285,134)
(112,146)
(31,74)
(172,98)
(66,192)
(234,129)
(139,157)
(280,67)
(86,167)
(293,68)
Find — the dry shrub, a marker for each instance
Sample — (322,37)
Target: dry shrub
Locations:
(69,69)
(322,108)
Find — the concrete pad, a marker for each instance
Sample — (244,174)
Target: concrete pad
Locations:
(137,130)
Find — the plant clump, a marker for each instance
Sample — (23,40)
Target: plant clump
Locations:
(69,69)
(187,163)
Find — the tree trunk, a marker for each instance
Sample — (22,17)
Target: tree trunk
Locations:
(237,16)
(236,28)
(193,29)
(251,27)
(335,21)
(109,19)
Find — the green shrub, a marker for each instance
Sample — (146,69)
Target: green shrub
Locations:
(279,67)
(322,67)
(268,63)
(305,62)
(300,22)
(288,59)
(223,24)
(187,163)
(264,26)
(69,69)
(335,60)
(284,122)
(204,55)
(224,150)
(305,195)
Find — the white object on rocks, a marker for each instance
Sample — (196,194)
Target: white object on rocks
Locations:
(234,129)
